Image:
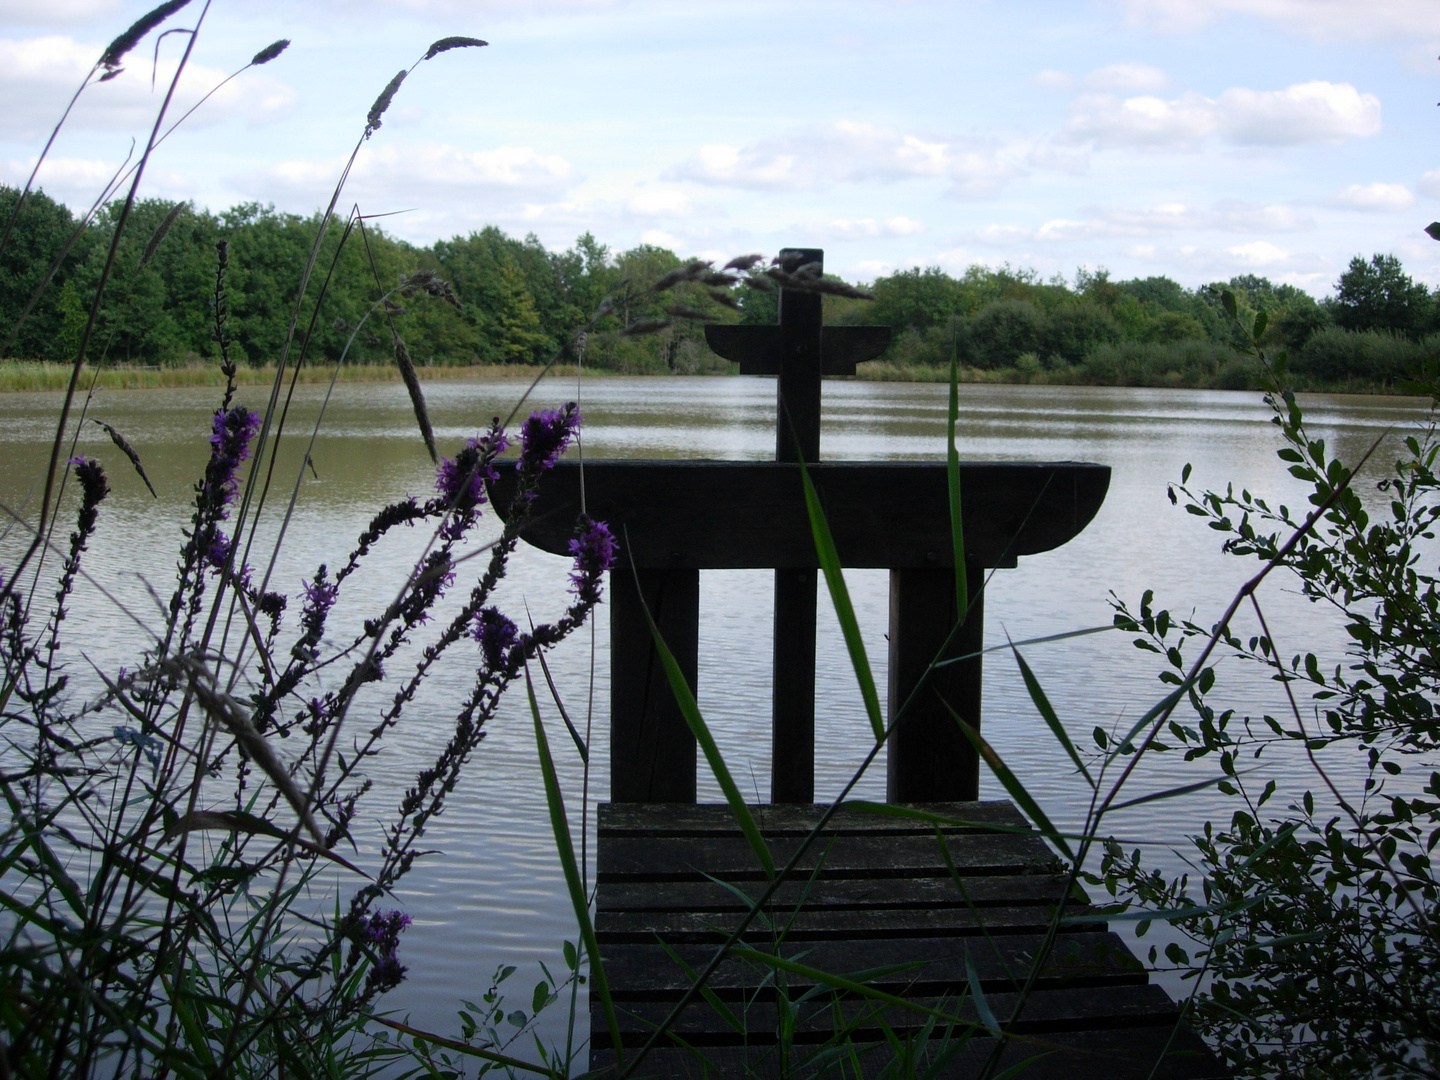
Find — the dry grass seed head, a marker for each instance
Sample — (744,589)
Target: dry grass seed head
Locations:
(116,50)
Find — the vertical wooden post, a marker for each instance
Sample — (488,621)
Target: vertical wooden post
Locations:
(929,758)
(797,435)
(652,751)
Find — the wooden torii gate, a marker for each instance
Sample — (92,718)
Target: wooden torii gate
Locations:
(676,518)
(873,893)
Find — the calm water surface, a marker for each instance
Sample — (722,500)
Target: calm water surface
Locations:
(493,892)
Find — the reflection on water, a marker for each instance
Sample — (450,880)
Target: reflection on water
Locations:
(493,890)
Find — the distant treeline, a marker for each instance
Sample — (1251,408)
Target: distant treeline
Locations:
(519,301)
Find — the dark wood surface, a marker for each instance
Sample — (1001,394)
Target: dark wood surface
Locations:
(885,908)
(652,750)
(747,514)
(928,758)
(757,348)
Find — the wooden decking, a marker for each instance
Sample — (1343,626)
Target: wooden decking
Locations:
(882,897)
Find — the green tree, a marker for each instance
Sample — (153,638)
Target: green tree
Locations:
(40,235)
(1379,295)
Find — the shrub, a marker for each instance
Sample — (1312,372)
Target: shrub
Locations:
(1335,354)
(1003,331)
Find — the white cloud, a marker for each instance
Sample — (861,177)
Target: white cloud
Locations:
(659,238)
(1430,184)
(869,228)
(1127,77)
(848,151)
(39,75)
(1258,253)
(1163,219)
(662,202)
(1375,197)
(395,175)
(1312,112)
(1327,20)
(55,12)
(1304,113)
(870,269)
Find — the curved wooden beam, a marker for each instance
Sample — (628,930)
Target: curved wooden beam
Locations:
(712,515)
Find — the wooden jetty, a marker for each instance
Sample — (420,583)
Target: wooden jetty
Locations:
(929,915)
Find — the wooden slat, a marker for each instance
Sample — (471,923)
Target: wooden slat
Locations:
(729,857)
(891,894)
(638,972)
(1053,1010)
(715,819)
(889,514)
(1121,1054)
(813,924)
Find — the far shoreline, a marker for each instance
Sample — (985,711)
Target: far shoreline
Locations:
(24,376)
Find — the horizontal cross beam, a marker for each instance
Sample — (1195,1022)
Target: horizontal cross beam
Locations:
(758,352)
(742,514)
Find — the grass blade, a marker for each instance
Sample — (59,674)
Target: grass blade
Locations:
(560,826)
(844,610)
(840,982)
(1012,784)
(987,1016)
(1042,703)
(560,705)
(686,700)
(952,477)
(1168,793)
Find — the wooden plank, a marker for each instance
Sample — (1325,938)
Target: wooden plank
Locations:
(1046,1011)
(928,757)
(812,924)
(757,348)
(1145,1053)
(890,514)
(676,858)
(892,894)
(715,819)
(642,971)
(652,751)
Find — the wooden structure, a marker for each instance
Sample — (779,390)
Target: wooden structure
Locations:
(881,897)
(883,894)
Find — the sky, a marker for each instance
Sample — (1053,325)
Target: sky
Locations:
(1198,139)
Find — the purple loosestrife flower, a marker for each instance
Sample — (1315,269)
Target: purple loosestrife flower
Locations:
(319,597)
(461,482)
(497,635)
(594,552)
(545,435)
(382,930)
(232,431)
(93,489)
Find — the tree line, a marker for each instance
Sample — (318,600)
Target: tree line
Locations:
(519,302)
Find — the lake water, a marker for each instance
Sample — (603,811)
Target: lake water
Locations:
(493,891)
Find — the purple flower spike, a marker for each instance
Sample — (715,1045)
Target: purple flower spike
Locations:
(461,482)
(497,635)
(382,930)
(545,435)
(594,552)
(229,447)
